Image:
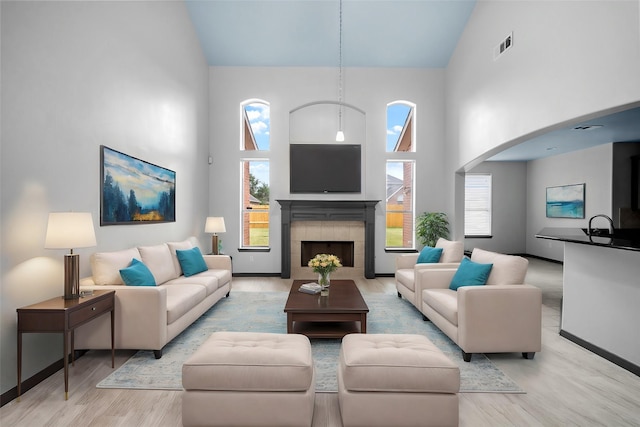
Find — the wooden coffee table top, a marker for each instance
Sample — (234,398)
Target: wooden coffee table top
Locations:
(344,297)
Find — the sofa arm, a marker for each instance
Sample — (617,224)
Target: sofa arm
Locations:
(406,261)
(500,318)
(140,320)
(218,262)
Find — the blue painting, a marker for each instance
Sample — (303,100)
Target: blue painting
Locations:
(134,191)
(566,201)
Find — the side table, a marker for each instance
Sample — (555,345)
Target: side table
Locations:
(63,316)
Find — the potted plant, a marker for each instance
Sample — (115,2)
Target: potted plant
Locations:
(430,226)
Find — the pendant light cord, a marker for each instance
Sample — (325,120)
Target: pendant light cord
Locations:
(340,73)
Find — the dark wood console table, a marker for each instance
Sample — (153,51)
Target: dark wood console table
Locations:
(63,316)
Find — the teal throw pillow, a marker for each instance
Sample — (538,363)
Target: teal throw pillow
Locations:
(429,255)
(137,274)
(191,261)
(470,273)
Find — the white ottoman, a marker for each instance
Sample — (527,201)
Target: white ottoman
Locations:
(396,380)
(249,379)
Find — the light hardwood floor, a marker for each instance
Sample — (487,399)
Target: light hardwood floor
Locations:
(565,384)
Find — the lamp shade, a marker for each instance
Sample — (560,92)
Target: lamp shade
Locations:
(68,230)
(214,224)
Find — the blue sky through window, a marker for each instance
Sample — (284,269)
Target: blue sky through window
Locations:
(260,121)
(396,118)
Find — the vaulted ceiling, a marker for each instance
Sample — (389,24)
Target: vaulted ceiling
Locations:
(375,33)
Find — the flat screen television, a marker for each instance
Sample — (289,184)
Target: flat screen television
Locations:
(324,168)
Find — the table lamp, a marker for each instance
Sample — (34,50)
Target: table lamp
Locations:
(70,230)
(214,224)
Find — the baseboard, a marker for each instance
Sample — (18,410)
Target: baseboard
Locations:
(555,261)
(623,363)
(256,274)
(30,383)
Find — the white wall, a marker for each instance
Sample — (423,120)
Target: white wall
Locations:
(559,69)
(509,208)
(75,75)
(288,88)
(593,167)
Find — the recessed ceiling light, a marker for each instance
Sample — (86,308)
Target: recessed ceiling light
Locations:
(587,127)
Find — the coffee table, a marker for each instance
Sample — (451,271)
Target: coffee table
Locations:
(342,312)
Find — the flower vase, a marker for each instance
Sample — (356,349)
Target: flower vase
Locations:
(324,280)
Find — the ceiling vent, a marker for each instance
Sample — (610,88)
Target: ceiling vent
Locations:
(503,46)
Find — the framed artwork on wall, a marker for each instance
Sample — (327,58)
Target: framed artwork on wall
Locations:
(566,201)
(133,191)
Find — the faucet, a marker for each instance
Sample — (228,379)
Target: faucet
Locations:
(590,231)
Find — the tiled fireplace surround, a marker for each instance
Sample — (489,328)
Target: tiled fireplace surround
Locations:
(327,231)
(328,220)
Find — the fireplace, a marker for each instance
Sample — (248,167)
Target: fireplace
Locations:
(342,249)
(329,220)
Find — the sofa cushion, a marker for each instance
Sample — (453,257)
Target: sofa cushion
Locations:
(507,269)
(158,259)
(137,274)
(452,251)
(106,266)
(470,273)
(211,283)
(173,247)
(429,255)
(191,261)
(181,299)
(223,276)
(444,301)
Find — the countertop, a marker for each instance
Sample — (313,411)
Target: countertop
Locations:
(624,238)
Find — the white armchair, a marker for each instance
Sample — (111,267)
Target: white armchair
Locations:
(500,317)
(410,275)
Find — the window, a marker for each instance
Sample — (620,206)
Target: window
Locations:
(477,204)
(255,203)
(256,130)
(399,204)
(400,176)
(400,127)
(256,126)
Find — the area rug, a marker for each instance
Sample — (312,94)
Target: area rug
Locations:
(264,312)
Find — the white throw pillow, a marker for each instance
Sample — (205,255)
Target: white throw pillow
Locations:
(105,266)
(181,246)
(158,259)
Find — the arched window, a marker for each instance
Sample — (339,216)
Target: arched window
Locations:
(400,127)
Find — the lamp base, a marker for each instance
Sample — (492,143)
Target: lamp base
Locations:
(71,276)
(214,244)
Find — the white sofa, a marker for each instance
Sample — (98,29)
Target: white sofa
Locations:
(503,316)
(410,275)
(148,317)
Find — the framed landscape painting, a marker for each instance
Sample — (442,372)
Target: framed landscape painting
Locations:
(134,191)
(566,201)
